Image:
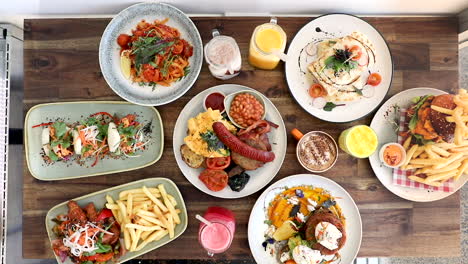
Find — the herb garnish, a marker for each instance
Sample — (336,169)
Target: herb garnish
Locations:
(146,48)
(330,106)
(213,142)
(341,61)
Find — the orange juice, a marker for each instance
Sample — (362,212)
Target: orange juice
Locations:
(266,39)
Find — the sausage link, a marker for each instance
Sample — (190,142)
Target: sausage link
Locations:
(232,142)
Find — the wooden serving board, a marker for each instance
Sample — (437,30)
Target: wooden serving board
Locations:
(61,64)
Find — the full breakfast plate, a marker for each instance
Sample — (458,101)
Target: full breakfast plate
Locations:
(434,164)
(229,141)
(81,139)
(339,68)
(305,218)
(86,229)
(150,54)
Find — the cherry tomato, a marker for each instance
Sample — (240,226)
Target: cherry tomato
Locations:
(218,163)
(150,73)
(178,47)
(188,49)
(104,214)
(317,90)
(356,51)
(290,261)
(374,79)
(123,40)
(215,180)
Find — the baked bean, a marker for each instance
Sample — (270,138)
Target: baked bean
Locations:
(246,109)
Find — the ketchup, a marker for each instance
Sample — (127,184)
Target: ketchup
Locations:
(215,101)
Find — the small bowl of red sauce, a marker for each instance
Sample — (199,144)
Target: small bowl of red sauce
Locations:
(244,108)
(392,155)
(215,101)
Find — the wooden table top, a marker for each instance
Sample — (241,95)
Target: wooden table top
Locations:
(61,64)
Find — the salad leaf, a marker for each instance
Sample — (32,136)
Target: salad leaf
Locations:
(421,141)
(268,222)
(60,129)
(330,106)
(148,49)
(53,156)
(414,119)
(127,131)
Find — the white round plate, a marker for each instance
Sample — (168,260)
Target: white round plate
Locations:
(260,177)
(386,133)
(109,53)
(257,227)
(299,78)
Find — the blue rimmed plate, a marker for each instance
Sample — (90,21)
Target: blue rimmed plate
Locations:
(109,53)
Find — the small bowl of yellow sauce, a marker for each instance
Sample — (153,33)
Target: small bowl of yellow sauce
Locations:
(268,40)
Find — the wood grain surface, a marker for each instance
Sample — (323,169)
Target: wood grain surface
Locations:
(61,64)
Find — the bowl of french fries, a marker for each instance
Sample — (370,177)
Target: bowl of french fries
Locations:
(150,212)
(438,161)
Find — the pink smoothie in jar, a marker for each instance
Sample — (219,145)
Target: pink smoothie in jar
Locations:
(217,237)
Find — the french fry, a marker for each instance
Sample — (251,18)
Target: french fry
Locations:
(146,234)
(431,154)
(170,225)
(127,239)
(412,166)
(441,176)
(109,199)
(153,237)
(154,199)
(112,206)
(407,143)
(423,156)
(154,191)
(461,170)
(428,161)
(448,160)
(442,110)
(409,154)
(141,227)
(168,204)
(130,205)
(160,216)
(418,152)
(452,119)
(137,238)
(442,152)
(172,199)
(421,180)
(430,170)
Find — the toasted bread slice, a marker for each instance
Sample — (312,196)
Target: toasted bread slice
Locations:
(192,159)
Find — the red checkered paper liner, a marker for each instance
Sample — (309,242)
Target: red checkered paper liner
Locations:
(400,177)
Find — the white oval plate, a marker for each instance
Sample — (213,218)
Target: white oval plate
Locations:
(386,133)
(109,53)
(336,25)
(260,177)
(257,227)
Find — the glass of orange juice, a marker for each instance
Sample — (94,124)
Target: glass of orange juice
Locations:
(267,45)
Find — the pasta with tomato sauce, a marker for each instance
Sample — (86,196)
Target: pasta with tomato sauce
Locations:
(157,54)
